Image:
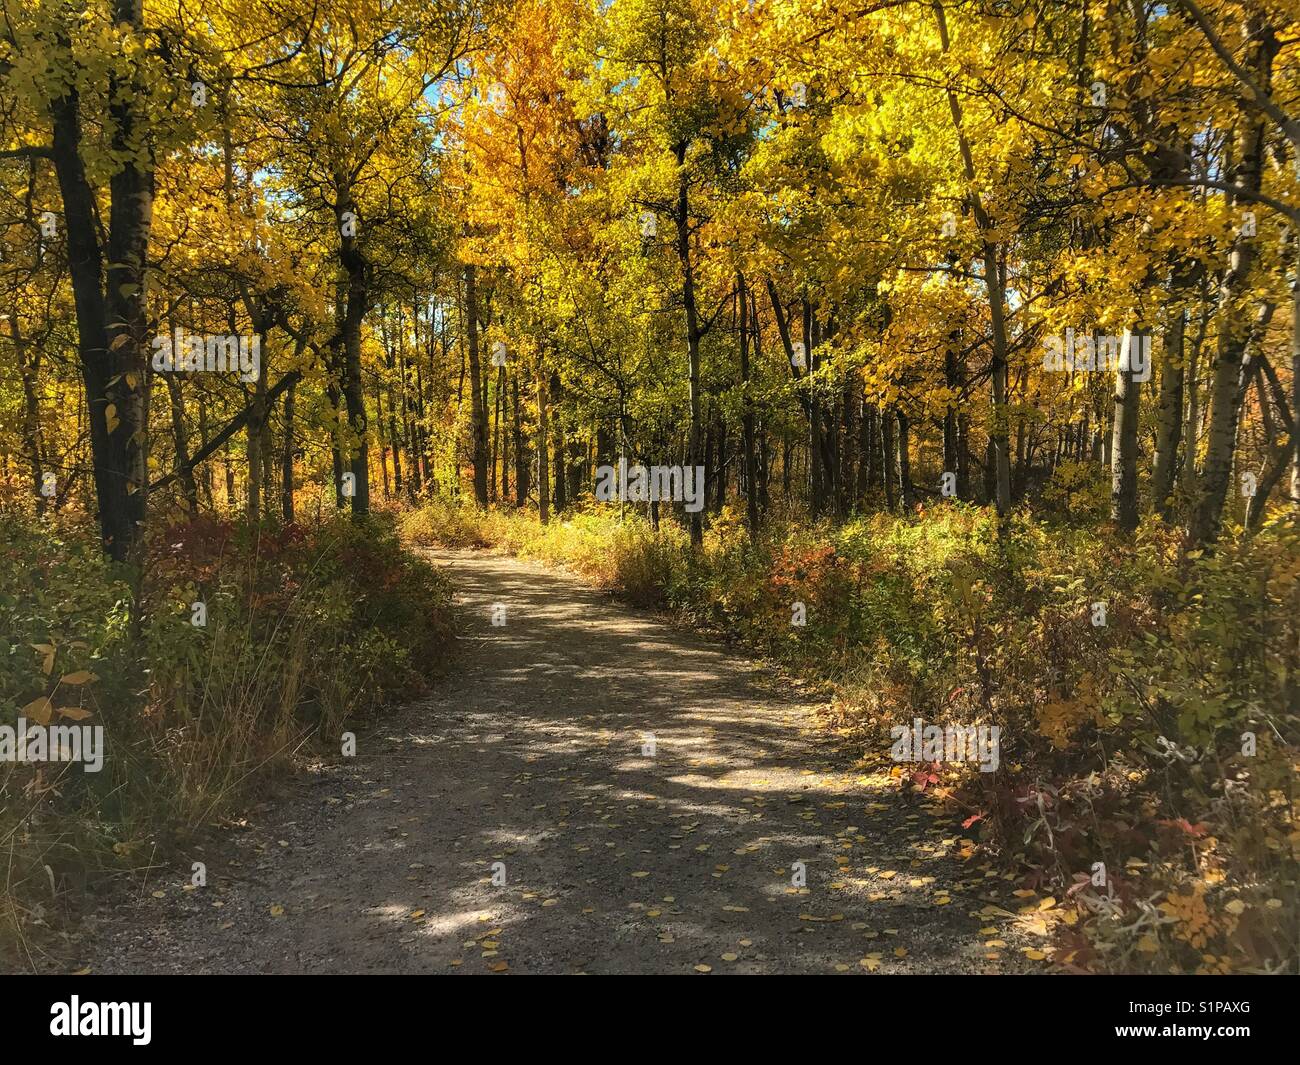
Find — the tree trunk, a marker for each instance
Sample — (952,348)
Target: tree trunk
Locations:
(1192,421)
(253,449)
(180,440)
(355,307)
(478,421)
(1169,418)
(205,481)
(996,292)
(521,455)
(130,221)
(747,407)
(904,464)
(112,402)
(1124,441)
(682,218)
(336,448)
(866,451)
(951,382)
(286,458)
(29,364)
(498,433)
(849,458)
(383,444)
(720,478)
(889,455)
(1295,375)
(543,458)
(1226,395)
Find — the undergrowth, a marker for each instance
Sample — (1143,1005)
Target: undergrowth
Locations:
(236,652)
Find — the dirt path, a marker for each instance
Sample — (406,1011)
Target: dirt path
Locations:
(531,755)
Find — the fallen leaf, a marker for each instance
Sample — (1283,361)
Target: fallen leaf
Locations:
(39,710)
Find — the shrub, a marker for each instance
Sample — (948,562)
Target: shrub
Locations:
(307,629)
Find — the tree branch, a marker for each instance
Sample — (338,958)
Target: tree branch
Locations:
(1263,100)
(230,429)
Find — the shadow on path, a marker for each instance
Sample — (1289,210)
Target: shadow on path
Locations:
(643,793)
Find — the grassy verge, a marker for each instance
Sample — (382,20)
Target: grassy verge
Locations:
(300,632)
(1146,701)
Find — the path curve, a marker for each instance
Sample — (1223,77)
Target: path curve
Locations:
(531,754)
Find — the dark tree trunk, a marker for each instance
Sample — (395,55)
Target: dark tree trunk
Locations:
(905,492)
(521,455)
(543,446)
(180,440)
(114,444)
(355,305)
(747,406)
(559,487)
(29,364)
(866,450)
(682,219)
(889,454)
(478,420)
(1124,443)
(953,384)
(286,458)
